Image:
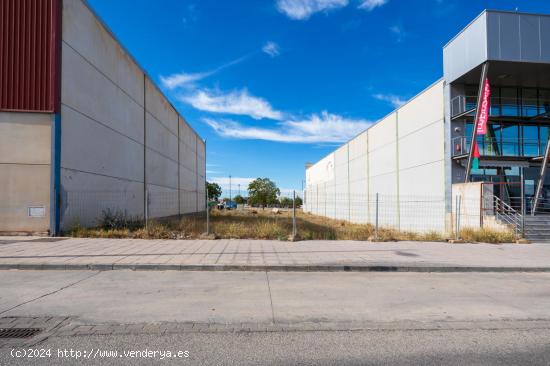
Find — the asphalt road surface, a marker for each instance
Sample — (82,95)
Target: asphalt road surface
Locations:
(384,318)
(394,347)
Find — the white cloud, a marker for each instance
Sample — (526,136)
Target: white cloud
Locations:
(272,49)
(303,9)
(178,80)
(398,31)
(238,102)
(323,128)
(184,79)
(370,5)
(394,100)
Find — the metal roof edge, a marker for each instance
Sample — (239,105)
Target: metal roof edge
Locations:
(486,11)
(382,118)
(147,75)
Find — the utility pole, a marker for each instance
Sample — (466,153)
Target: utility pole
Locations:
(239,188)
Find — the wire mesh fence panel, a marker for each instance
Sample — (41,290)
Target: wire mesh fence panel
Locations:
(407,213)
(90,208)
(87,208)
(421,214)
(162,203)
(320,213)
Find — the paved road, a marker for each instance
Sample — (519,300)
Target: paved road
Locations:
(395,347)
(36,253)
(248,318)
(274,297)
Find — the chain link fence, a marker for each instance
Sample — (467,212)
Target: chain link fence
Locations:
(293,215)
(92,208)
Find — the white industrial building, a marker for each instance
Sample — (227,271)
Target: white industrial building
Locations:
(400,158)
(83,128)
(417,159)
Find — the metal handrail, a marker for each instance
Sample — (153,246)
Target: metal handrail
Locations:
(502,106)
(491,146)
(543,206)
(507,214)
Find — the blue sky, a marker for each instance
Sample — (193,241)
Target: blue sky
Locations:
(273,84)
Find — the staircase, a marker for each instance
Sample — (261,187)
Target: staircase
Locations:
(537,228)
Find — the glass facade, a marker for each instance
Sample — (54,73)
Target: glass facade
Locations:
(512,102)
(506,140)
(519,129)
(519,126)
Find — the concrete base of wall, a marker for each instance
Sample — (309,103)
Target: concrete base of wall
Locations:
(25,155)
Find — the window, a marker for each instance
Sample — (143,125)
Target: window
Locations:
(544,133)
(471,96)
(510,139)
(530,140)
(529,104)
(544,101)
(495,102)
(509,102)
(494,139)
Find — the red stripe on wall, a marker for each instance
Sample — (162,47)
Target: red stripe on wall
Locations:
(29,57)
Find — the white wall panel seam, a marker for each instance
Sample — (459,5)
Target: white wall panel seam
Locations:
(101,123)
(134,61)
(102,175)
(161,154)
(422,128)
(421,165)
(163,186)
(103,74)
(162,123)
(397,168)
(19,163)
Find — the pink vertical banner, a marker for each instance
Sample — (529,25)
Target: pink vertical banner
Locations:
(483,113)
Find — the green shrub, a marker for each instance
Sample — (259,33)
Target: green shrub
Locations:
(118,220)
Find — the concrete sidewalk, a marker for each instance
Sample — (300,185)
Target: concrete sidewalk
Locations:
(268,255)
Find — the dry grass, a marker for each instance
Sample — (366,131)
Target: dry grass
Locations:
(487,236)
(264,224)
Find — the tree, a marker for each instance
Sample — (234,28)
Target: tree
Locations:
(287,202)
(214,191)
(240,200)
(262,191)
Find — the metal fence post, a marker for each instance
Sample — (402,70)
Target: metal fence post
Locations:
(207,214)
(458,211)
(325,199)
(294,215)
(522,194)
(376,219)
(146,208)
(456,217)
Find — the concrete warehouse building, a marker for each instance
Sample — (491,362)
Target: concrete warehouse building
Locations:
(83,128)
(418,159)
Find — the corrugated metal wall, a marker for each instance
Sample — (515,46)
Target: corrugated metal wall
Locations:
(29,54)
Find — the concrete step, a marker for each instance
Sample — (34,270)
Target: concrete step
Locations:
(537,227)
(537,237)
(537,218)
(537,241)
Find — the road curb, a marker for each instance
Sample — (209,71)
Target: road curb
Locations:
(270,268)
